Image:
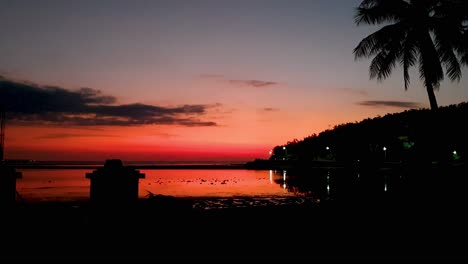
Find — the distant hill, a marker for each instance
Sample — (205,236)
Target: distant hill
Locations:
(418,135)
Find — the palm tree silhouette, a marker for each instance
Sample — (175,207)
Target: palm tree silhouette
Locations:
(431,33)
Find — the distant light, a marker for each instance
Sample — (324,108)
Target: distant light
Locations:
(327,148)
(384,148)
(270,152)
(284,147)
(454,152)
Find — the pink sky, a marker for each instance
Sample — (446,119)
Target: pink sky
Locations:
(264,73)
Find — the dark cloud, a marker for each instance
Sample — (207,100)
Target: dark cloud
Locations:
(28,103)
(399,104)
(252,83)
(270,109)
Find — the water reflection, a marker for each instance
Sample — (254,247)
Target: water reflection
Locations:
(284,179)
(321,184)
(385,185)
(343,184)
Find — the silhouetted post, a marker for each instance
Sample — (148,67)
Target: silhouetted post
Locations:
(114,184)
(8,176)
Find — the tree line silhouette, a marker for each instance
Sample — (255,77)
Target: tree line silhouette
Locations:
(412,136)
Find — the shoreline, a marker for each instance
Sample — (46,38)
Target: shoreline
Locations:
(258,164)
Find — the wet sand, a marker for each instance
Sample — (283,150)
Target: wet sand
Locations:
(168,228)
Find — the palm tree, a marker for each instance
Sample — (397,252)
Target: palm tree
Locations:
(427,32)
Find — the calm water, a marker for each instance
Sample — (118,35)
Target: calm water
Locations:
(71,184)
(317,184)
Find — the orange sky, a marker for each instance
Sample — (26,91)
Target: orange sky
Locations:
(240,135)
(175,80)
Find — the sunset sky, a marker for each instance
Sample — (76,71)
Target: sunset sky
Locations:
(187,80)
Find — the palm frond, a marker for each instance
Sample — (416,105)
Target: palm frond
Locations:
(377,41)
(409,56)
(377,11)
(462,48)
(449,59)
(448,37)
(382,65)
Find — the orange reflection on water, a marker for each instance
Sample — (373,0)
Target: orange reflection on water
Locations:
(71,184)
(53,185)
(210,183)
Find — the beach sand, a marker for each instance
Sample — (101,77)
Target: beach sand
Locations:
(168,228)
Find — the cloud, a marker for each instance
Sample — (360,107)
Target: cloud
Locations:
(269,109)
(252,83)
(247,82)
(399,104)
(28,103)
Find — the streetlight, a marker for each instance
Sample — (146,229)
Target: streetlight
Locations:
(328,152)
(385,153)
(285,152)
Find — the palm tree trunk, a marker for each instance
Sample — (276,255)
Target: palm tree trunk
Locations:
(432,98)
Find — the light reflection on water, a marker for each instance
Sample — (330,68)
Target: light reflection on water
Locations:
(71,184)
(319,184)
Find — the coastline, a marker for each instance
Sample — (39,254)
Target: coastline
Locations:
(257,164)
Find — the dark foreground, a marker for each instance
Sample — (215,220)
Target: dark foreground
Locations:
(169,229)
(425,219)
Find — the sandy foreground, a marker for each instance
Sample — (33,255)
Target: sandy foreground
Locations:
(168,228)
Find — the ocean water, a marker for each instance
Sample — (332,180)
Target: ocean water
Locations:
(243,187)
(37,185)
